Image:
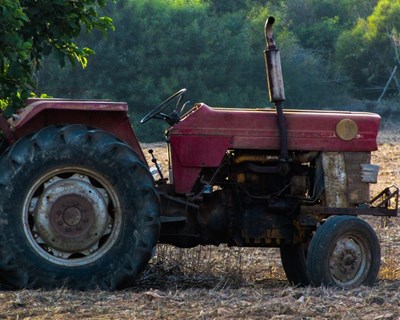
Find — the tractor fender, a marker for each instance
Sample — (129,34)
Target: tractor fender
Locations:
(102,114)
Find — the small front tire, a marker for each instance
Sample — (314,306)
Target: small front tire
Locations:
(344,252)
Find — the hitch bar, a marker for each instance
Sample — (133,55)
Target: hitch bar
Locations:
(385,204)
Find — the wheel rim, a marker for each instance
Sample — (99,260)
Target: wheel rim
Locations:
(71,216)
(349,261)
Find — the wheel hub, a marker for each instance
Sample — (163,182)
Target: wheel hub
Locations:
(71,214)
(346,260)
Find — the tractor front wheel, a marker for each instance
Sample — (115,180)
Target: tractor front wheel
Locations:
(78,209)
(344,252)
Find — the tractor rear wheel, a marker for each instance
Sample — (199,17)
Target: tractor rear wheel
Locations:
(294,262)
(78,209)
(344,252)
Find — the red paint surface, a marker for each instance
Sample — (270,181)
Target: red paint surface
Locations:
(203,136)
(109,116)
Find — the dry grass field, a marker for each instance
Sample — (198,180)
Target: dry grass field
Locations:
(230,283)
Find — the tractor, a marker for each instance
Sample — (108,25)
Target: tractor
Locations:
(79,207)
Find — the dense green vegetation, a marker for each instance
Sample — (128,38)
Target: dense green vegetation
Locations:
(31,30)
(333,52)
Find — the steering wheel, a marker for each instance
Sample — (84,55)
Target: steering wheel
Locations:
(156,113)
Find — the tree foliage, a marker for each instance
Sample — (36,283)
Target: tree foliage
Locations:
(366,51)
(32,29)
(318,23)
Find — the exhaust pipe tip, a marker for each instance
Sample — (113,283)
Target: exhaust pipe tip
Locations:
(269,34)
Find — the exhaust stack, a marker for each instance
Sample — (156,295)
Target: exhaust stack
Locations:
(276,91)
(273,65)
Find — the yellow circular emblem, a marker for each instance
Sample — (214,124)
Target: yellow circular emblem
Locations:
(346,129)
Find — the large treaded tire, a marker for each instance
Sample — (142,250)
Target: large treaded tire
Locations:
(344,252)
(294,262)
(125,219)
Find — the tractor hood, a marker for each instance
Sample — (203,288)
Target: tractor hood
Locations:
(307,130)
(203,136)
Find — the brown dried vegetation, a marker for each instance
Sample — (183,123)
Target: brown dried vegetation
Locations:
(230,283)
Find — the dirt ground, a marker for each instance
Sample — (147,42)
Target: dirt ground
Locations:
(230,283)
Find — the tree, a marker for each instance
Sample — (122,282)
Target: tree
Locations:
(222,6)
(31,30)
(318,23)
(365,52)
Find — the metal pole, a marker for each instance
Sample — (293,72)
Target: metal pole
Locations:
(387,84)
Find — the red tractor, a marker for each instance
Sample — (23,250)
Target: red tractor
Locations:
(79,207)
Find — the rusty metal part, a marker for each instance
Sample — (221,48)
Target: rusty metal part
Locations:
(358,179)
(72,216)
(252,157)
(335,179)
(324,212)
(384,204)
(269,35)
(387,198)
(273,65)
(347,176)
(349,260)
